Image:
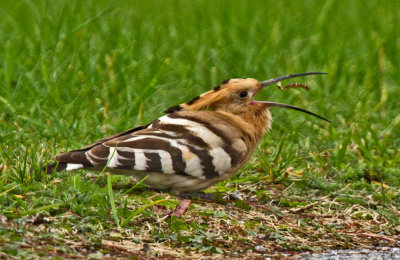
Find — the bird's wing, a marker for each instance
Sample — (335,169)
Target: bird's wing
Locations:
(77,159)
(183,143)
(105,139)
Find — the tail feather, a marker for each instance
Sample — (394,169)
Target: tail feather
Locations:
(61,166)
(68,161)
(78,157)
(58,166)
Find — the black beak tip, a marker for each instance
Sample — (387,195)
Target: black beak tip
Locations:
(327,120)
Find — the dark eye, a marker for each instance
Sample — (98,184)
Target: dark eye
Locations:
(243,94)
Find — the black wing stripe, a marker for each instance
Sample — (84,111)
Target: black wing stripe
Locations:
(205,158)
(209,126)
(183,133)
(127,155)
(100,151)
(126,164)
(153,162)
(235,156)
(157,144)
(126,159)
(205,161)
(96,160)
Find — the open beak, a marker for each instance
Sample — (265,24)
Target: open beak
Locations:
(275,104)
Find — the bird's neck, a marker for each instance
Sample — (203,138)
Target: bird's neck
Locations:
(260,120)
(253,123)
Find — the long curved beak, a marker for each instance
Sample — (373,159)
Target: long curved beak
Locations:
(275,104)
(270,81)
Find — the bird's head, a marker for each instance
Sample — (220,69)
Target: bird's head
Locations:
(236,96)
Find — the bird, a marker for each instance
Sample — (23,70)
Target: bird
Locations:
(193,146)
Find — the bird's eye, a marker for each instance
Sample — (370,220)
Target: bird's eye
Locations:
(243,94)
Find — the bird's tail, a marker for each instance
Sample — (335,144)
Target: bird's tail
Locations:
(58,166)
(69,161)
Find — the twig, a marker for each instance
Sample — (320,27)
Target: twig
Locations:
(370,235)
(304,207)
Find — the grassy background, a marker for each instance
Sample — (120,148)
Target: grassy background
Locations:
(74,71)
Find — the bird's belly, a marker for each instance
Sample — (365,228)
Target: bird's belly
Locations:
(168,182)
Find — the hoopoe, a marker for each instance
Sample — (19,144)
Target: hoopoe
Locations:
(195,145)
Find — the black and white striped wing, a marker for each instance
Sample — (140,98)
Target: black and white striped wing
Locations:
(173,144)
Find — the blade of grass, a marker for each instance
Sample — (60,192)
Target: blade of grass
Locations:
(105,166)
(22,174)
(112,202)
(279,150)
(5,192)
(138,211)
(21,202)
(341,150)
(33,211)
(137,184)
(102,13)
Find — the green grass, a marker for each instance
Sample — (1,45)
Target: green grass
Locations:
(72,72)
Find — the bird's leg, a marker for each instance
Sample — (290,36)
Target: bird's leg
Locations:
(187,199)
(181,208)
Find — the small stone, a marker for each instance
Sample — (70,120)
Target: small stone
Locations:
(115,234)
(260,248)
(249,251)
(39,218)
(3,219)
(261,236)
(235,195)
(146,248)
(97,255)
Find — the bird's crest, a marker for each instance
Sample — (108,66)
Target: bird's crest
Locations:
(213,99)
